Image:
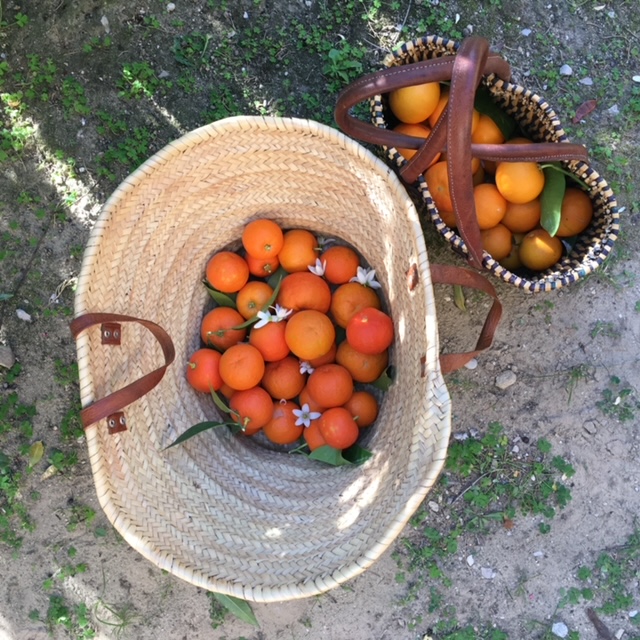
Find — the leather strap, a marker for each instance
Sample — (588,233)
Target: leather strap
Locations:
(449,274)
(117,400)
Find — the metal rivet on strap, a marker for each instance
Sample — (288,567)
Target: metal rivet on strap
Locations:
(111,333)
(116,422)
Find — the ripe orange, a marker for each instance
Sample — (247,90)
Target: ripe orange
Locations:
(350,298)
(253,297)
(487,131)
(512,261)
(216,329)
(269,341)
(241,366)
(437,178)
(227,271)
(449,218)
(282,429)
(490,205)
(519,182)
(576,213)
(262,239)
(327,358)
(442,103)
(304,397)
(313,437)
(539,250)
(370,331)
(363,367)
(417,131)
(309,334)
(282,379)
(203,370)
(299,250)
(497,241)
(304,290)
(338,428)
(524,217)
(251,408)
(363,406)
(262,267)
(330,385)
(341,264)
(415,103)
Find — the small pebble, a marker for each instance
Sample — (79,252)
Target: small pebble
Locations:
(633,614)
(619,633)
(434,506)
(560,629)
(105,23)
(566,70)
(636,78)
(461,436)
(470,560)
(614,110)
(7,359)
(586,81)
(23,315)
(472,364)
(163,74)
(171,7)
(515,449)
(590,427)
(526,32)
(538,554)
(488,573)
(505,379)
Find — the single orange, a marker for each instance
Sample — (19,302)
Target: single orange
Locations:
(338,428)
(299,250)
(370,331)
(251,408)
(226,271)
(203,370)
(363,406)
(282,379)
(327,358)
(363,367)
(313,437)
(487,131)
(349,298)
(524,217)
(310,334)
(304,397)
(449,218)
(269,341)
(330,385)
(304,290)
(490,205)
(417,131)
(252,298)
(282,428)
(576,213)
(519,182)
(262,239)
(241,366)
(539,250)
(437,179)
(262,267)
(414,103)
(497,241)
(217,328)
(341,264)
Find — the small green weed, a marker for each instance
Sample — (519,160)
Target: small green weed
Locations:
(191,50)
(344,65)
(138,80)
(13,513)
(74,99)
(618,402)
(607,329)
(80,514)
(75,619)
(128,153)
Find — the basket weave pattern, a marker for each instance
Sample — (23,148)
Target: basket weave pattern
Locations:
(539,121)
(221,511)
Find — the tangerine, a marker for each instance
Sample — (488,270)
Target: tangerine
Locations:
(241,366)
(338,428)
(490,205)
(539,250)
(522,217)
(310,334)
(576,213)
(282,428)
(437,179)
(304,397)
(313,437)
(251,408)
(226,271)
(262,267)
(417,131)
(252,298)
(203,370)
(217,328)
(363,367)
(497,241)
(304,290)
(299,250)
(341,264)
(327,358)
(283,379)
(269,341)
(348,299)
(487,131)
(414,103)
(519,182)
(370,331)
(363,406)
(330,385)
(262,239)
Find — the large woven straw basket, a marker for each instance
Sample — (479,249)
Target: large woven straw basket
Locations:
(533,115)
(222,511)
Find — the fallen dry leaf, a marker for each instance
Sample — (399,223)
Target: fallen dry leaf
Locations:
(584,109)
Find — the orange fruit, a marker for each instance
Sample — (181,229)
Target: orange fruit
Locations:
(304,397)
(443,100)
(304,290)
(348,299)
(262,267)
(203,370)
(415,103)
(523,217)
(330,385)
(497,241)
(539,250)
(327,358)
(282,428)
(512,261)
(313,437)
(262,239)
(241,366)
(309,334)
(216,329)
(449,218)
(363,367)
(487,131)
(269,341)
(490,205)
(417,131)
(341,264)
(576,213)
(226,391)
(227,271)
(370,331)
(437,178)
(251,408)
(363,406)
(338,428)
(282,379)
(299,250)
(253,297)
(519,182)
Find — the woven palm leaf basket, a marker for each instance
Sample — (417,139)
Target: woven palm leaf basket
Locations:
(533,116)
(223,511)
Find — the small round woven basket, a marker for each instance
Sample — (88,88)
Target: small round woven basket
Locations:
(221,511)
(538,121)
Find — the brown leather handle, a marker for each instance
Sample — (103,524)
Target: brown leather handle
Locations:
(449,274)
(452,131)
(117,400)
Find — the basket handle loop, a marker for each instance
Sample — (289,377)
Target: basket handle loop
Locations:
(116,401)
(449,274)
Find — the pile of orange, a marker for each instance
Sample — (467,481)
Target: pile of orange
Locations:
(507,194)
(301,338)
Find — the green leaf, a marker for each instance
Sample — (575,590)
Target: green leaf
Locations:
(356,454)
(5,296)
(329,455)
(458,297)
(276,278)
(385,380)
(551,199)
(221,299)
(485,105)
(544,446)
(238,607)
(196,429)
(36,451)
(219,402)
